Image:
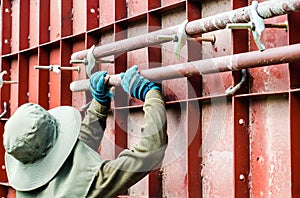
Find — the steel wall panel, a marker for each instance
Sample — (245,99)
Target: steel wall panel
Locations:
(172,87)
(106,12)
(55,80)
(43,78)
(294,22)
(79,98)
(79,14)
(33,37)
(216,83)
(15,14)
(217,149)
(174,169)
(270,147)
(55,20)
(14,91)
(244,145)
(33,83)
(168,2)
(135,7)
(44,21)
(6,21)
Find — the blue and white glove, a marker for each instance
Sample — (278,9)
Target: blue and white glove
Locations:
(136,85)
(99,89)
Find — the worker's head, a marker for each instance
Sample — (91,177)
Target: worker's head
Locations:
(37,142)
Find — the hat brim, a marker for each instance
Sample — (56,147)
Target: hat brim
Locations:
(30,176)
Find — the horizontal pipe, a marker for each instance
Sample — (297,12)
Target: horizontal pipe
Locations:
(279,55)
(265,9)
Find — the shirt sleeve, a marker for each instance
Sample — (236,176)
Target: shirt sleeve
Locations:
(94,124)
(115,176)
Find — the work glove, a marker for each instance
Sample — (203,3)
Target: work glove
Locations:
(136,85)
(99,89)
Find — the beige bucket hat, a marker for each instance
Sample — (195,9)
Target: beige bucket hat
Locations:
(37,143)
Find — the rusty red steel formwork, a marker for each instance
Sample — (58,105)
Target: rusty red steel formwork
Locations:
(240,165)
(286,54)
(266,10)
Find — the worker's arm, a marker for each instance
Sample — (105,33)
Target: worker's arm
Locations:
(94,122)
(132,165)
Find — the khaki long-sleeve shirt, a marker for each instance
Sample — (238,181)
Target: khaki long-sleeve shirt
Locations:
(115,176)
(85,174)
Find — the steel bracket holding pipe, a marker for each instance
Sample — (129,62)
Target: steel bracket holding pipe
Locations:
(256,25)
(90,61)
(181,38)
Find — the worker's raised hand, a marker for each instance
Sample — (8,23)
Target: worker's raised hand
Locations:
(136,85)
(99,89)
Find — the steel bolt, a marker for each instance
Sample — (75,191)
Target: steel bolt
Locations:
(92,10)
(3,167)
(242,177)
(241,121)
(168,37)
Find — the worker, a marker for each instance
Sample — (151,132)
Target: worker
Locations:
(53,154)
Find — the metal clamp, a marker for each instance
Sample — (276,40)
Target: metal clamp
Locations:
(90,61)
(2,82)
(57,68)
(232,90)
(256,25)
(182,38)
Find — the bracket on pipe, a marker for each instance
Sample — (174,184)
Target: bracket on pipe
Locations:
(256,25)
(182,38)
(90,61)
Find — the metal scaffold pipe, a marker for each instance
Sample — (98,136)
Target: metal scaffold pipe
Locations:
(265,10)
(279,55)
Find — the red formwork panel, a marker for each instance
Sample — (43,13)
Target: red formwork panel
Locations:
(14,90)
(55,20)
(270,147)
(79,14)
(15,29)
(135,7)
(33,83)
(33,37)
(106,12)
(241,145)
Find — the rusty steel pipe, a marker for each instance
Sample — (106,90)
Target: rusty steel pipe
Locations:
(286,54)
(265,9)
